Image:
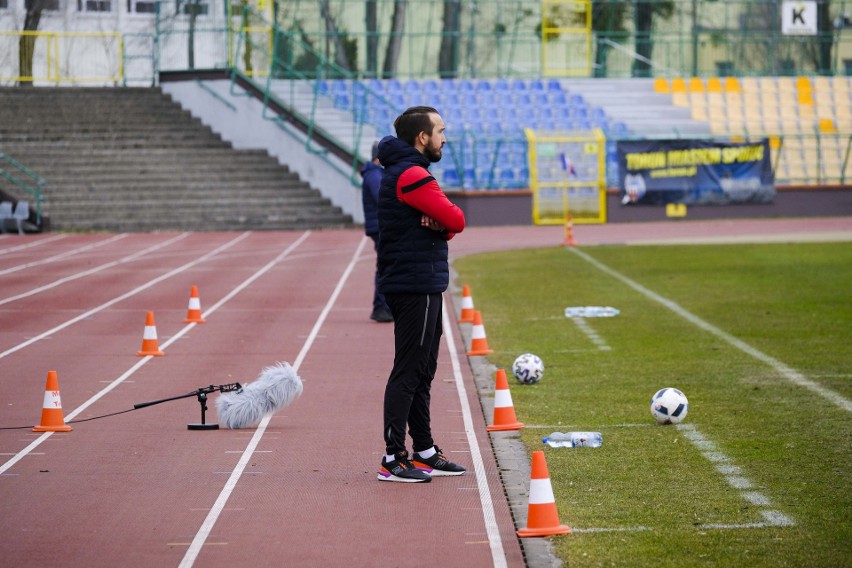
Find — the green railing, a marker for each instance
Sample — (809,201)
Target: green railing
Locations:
(24,179)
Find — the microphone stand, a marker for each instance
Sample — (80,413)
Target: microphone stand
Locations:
(201,394)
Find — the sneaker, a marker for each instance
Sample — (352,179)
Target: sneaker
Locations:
(401,469)
(437,465)
(381,315)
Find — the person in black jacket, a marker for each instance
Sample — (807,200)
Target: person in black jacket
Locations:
(372,173)
(415,222)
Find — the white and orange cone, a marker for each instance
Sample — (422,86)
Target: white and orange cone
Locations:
(569,232)
(478,341)
(504,410)
(193,313)
(542,516)
(52,419)
(150,346)
(466,306)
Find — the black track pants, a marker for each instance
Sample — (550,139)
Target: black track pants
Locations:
(417,336)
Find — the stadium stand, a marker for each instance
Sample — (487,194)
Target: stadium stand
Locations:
(808,120)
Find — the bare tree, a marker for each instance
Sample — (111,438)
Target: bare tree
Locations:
(26,43)
(448,56)
(395,43)
(334,35)
(372,27)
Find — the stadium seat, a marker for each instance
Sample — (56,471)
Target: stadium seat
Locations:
(732,85)
(451,178)
(678,85)
(661,85)
(554,85)
(5,214)
(21,214)
(696,85)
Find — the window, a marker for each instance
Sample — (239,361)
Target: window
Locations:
(52,5)
(4,4)
(186,7)
(94,5)
(141,6)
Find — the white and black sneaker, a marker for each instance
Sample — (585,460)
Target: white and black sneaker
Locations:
(401,469)
(437,465)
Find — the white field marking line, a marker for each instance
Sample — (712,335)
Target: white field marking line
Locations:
(139,364)
(593,335)
(124,296)
(788,373)
(735,478)
(498,555)
(33,244)
(207,526)
(66,254)
(91,271)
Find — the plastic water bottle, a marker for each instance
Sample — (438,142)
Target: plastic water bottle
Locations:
(574,440)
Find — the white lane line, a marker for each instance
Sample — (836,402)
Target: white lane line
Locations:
(91,271)
(498,556)
(143,361)
(32,244)
(63,255)
(593,335)
(788,373)
(124,296)
(207,526)
(733,475)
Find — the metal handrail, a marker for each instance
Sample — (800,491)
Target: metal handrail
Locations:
(35,190)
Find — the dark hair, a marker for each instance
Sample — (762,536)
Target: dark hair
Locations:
(412,122)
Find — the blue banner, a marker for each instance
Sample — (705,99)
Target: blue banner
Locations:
(695,172)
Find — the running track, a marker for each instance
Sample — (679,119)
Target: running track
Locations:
(300,490)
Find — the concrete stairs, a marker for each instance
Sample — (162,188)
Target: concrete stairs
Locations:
(130,159)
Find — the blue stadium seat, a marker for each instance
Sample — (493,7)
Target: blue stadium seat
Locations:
(501,85)
(465,86)
(339,87)
(483,86)
(554,85)
(393,86)
(341,101)
(451,177)
(322,87)
(536,85)
(411,86)
(376,85)
(519,85)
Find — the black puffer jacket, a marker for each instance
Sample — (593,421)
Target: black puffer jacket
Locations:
(412,258)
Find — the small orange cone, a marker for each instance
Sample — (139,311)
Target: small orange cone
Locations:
(149,338)
(466,306)
(569,232)
(542,517)
(504,410)
(52,419)
(478,341)
(193,313)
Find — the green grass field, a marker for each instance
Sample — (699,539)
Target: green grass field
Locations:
(770,451)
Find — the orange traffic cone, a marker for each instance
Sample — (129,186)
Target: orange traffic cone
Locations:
(569,232)
(52,419)
(542,517)
(478,342)
(466,306)
(149,338)
(193,313)
(504,410)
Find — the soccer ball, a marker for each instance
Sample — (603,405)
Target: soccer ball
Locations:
(528,368)
(669,406)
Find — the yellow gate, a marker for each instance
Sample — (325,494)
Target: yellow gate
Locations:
(61,57)
(567,176)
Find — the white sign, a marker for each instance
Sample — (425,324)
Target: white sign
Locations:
(799,17)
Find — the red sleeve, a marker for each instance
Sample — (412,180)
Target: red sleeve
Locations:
(416,187)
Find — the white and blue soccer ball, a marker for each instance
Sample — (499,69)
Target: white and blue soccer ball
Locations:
(528,368)
(669,406)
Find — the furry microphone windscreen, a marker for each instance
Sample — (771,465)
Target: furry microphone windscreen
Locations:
(276,387)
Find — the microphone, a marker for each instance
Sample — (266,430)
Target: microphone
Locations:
(276,387)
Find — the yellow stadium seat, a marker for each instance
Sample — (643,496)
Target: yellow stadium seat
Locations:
(680,99)
(699,113)
(716,100)
(803,84)
(732,85)
(678,85)
(826,125)
(806,98)
(661,85)
(822,83)
(785,84)
(714,85)
(749,85)
(767,85)
(696,85)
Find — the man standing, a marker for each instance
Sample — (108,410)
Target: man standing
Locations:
(372,174)
(415,220)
